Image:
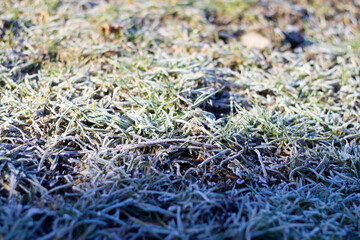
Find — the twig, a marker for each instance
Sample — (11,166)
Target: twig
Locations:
(125,147)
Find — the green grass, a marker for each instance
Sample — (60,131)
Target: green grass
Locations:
(151,120)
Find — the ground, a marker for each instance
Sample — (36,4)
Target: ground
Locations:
(219,119)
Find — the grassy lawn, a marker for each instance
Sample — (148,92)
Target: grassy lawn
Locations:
(162,120)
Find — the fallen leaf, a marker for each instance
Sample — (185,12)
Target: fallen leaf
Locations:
(255,40)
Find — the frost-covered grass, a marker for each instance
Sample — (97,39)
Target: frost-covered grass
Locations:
(152,120)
